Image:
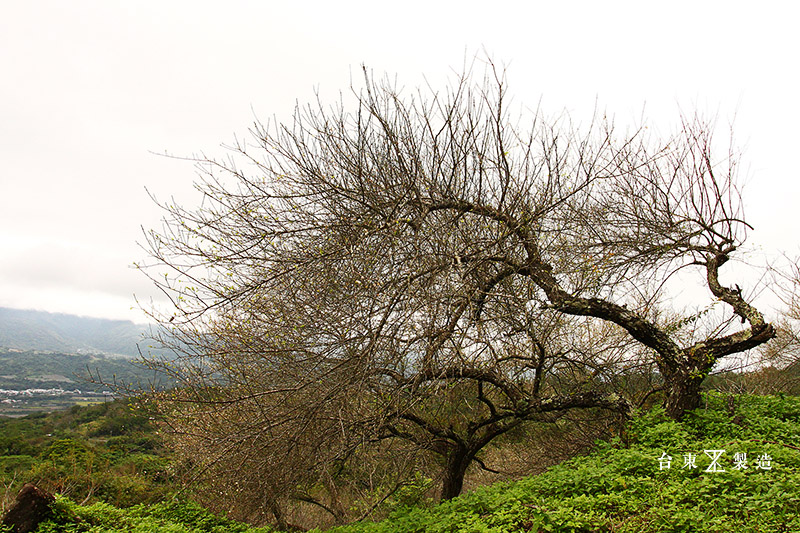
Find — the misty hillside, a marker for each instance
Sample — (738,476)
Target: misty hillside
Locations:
(38,330)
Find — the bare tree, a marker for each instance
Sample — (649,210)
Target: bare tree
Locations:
(426,270)
(776,370)
(787,346)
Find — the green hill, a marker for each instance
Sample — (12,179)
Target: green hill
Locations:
(38,330)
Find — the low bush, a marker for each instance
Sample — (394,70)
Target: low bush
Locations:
(172,517)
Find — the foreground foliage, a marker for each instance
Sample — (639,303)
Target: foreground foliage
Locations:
(620,488)
(172,517)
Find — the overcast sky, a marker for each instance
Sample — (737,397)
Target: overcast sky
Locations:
(89,91)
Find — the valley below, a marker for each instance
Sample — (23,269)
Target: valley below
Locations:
(44,381)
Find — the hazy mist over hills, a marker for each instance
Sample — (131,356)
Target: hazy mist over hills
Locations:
(39,330)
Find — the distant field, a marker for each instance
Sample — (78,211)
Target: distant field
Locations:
(47,403)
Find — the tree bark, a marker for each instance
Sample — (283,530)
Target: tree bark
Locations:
(683,394)
(457,464)
(277,513)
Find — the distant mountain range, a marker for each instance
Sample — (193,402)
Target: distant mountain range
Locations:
(38,330)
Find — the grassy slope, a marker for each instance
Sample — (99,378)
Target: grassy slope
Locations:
(620,488)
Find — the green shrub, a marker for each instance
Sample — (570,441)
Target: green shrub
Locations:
(172,517)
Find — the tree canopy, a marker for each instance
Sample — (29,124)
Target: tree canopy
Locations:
(424,272)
